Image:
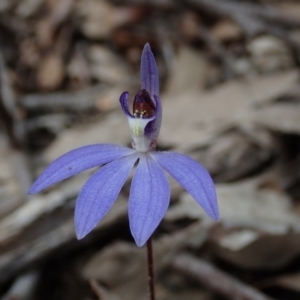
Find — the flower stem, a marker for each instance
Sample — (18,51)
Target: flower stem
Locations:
(150,270)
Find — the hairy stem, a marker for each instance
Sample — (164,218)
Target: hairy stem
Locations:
(150,270)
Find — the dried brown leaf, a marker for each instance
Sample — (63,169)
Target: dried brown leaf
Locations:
(281,117)
(131,283)
(192,117)
(106,66)
(226,30)
(100,18)
(189,71)
(51,72)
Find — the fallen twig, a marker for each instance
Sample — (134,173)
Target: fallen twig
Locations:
(76,101)
(215,279)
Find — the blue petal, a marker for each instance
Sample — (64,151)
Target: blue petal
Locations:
(100,192)
(149,199)
(192,177)
(76,161)
(149,73)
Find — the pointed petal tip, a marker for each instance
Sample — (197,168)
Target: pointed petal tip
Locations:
(80,229)
(147,47)
(30,192)
(149,73)
(216,216)
(213,209)
(140,243)
(213,200)
(34,189)
(141,240)
(148,55)
(79,236)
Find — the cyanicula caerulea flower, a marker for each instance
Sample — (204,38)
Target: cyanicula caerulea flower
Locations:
(149,193)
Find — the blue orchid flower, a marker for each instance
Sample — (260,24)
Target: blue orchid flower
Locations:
(150,192)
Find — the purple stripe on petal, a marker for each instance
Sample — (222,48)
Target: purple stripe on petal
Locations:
(76,161)
(149,73)
(192,177)
(149,199)
(100,192)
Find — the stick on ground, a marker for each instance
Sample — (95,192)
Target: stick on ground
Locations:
(215,279)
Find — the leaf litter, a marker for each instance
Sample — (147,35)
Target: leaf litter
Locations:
(231,100)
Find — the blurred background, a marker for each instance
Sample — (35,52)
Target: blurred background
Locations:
(229,73)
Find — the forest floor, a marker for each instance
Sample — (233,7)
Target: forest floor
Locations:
(229,74)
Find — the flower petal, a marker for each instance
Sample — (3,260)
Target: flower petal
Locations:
(76,161)
(149,73)
(152,129)
(192,177)
(149,199)
(100,192)
(124,101)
